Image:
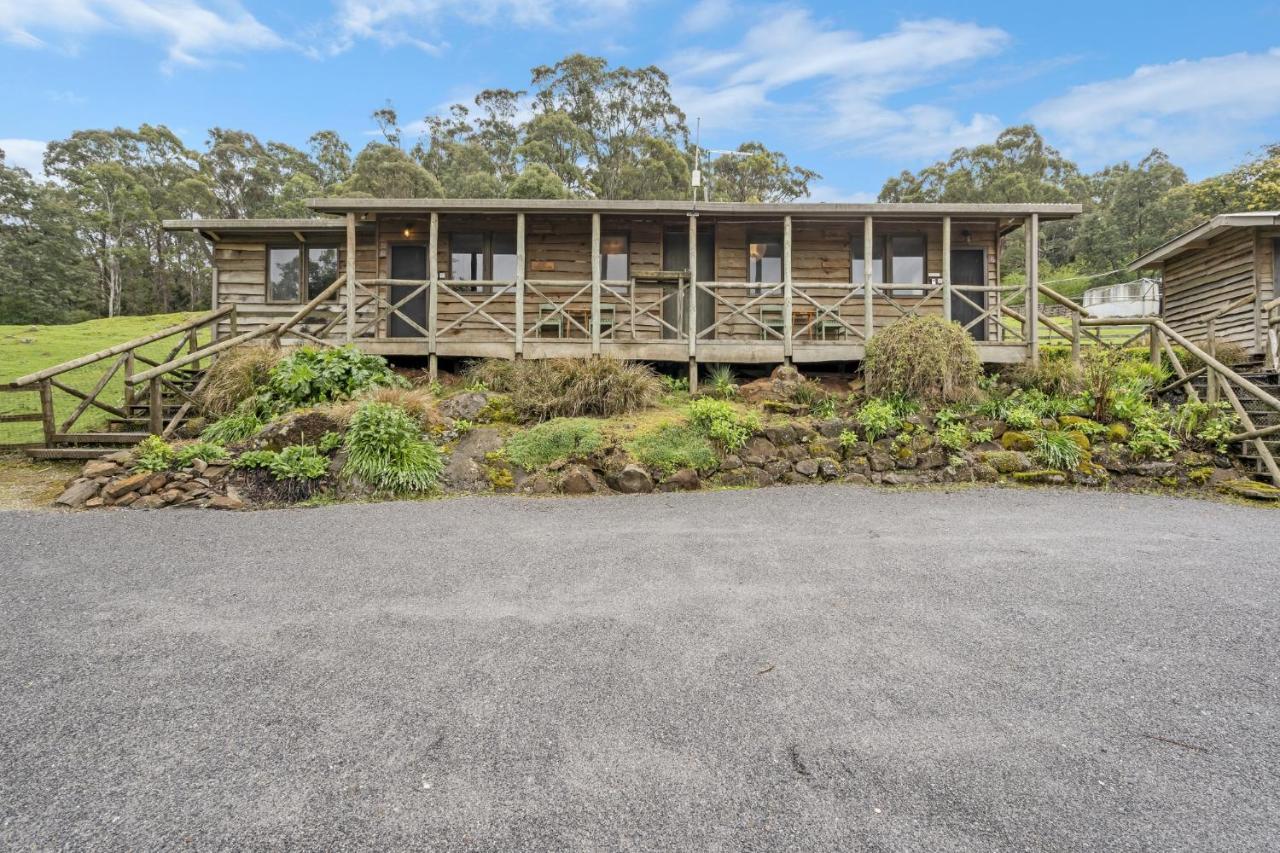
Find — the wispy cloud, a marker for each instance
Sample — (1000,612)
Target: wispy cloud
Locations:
(24,154)
(422,23)
(1195,110)
(707,15)
(193,32)
(837,87)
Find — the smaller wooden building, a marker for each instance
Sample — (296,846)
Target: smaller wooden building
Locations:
(1220,279)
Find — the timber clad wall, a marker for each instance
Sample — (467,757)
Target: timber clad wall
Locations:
(1198,282)
(558,249)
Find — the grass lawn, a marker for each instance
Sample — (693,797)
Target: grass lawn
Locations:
(26,349)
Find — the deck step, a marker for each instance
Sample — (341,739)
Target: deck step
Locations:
(68,452)
(101,437)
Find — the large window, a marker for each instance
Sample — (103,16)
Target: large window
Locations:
(615,257)
(289,266)
(895,259)
(482,256)
(764,260)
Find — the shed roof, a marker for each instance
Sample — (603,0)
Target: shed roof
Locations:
(1198,237)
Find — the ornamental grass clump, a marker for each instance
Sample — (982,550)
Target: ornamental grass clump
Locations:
(386,451)
(569,387)
(924,358)
(1056,449)
(237,426)
(551,441)
(236,376)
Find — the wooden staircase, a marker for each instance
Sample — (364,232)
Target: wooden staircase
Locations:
(1257,372)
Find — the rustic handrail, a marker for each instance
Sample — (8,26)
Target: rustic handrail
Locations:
(305,310)
(200,354)
(1227,309)
(119,349)
(1063,300)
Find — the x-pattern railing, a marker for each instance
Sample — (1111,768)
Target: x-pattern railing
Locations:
(765,291)
(644,312)
(497,289)
(824,313)
(385,309)
(560,309)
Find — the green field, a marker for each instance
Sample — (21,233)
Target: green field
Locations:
(26,349)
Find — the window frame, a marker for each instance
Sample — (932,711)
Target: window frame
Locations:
(486,260)
(758,288)
(626,237)
(304,267)
(884,242)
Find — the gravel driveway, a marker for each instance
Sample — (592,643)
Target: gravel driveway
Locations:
(804,668)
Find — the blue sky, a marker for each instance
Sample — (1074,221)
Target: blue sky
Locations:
(858,91)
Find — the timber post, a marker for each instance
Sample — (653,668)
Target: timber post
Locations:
(1153,345)
(519,342)
(46,412)
(595,284)
(213,296)
(155,406)
(129,367)
(1211,346)
(1075,337)
(351,277)
(868,299)
(946,268)
(1033,288)
(693,303)
(787,320)
(433,293)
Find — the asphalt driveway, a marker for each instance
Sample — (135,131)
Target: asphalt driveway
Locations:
(804,668)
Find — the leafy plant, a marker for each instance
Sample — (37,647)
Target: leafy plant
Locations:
(1151,437)
(329,442)
(1209,423)
(824,409)
(674,384)
(1056,449)
(298,462)
(153,454)
(953,436)
(309,376)
(980,436)
(385,450)
(721,383)
(722,423)
(877,417)
(848,438)
(205,451)
(924,358)
(462,426)
(254,459)
(236,426)
(550,441)
(1022,417)
(671,447)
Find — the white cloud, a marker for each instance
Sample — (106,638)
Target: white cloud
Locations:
(707,15)
(193,32)
(24,154)
(836,86)
(419,22)
(1195,110)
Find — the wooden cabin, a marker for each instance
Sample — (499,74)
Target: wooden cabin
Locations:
(1219,280)
(674,281)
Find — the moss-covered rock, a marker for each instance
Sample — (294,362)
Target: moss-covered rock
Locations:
(1014,440)
(1200,476)
(1118,433)
(1006,461)
(1250,489)
(1085,425)
(1046,476)
(1090,473)
(1081,440)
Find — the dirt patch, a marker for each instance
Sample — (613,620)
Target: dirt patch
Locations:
(31,484)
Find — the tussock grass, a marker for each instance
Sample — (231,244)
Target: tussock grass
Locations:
(236,375)
(570,388)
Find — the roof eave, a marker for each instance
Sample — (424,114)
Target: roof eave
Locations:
(1189,240)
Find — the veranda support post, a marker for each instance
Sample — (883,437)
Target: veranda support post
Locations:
(1033,288)
(595,284)
(519,346)
(693,303)
(351,277)
(946,268)
(868,301)
(787,319)
(433,293)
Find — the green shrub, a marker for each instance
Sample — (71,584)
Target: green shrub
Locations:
(1151,437)
(254,459)
(671,447)
(848,438)
(385,450)
(924,358)
(550,441)
(1207,423)
(236,426)
(877,417)
(294,472)
(205,451)
(980,436)
(1056,449)
(329,442)
(299,462)
(956,436)
(1022,417)
(722,423)
(307,377)
(570,387)
(674,384)
(153,454)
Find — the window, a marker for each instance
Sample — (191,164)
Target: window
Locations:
(289,266)
(615,259)
(764,261)
(895,259)
(482,256)
(322,269)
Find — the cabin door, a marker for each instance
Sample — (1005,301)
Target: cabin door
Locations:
(675,257)
(408,261)
(968,266)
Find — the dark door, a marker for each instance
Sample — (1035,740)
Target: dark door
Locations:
(968,267)
(408,262)
(675,257)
